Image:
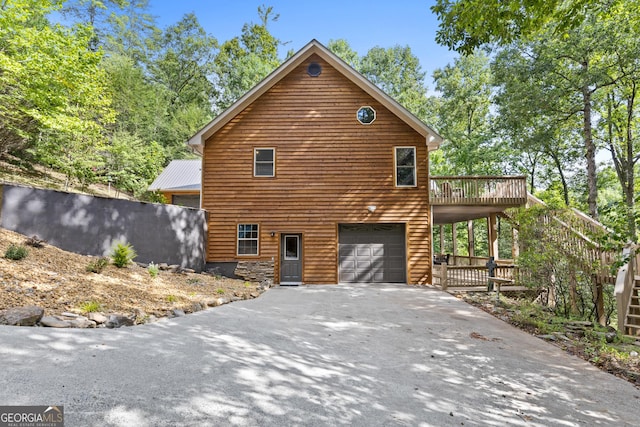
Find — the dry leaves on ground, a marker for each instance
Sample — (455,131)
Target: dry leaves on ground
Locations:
(57,281)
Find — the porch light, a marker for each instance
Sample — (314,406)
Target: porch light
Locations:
(371,208)
(273,234)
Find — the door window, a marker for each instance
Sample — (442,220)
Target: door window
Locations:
(291,248)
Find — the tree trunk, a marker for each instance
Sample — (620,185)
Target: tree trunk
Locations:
(563,179)
(629,186)
(573,293)
(590,148)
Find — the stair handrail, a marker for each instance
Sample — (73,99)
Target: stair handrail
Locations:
(584,224)
(625,281)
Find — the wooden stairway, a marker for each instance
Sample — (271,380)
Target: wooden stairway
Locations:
(627,292)
(632,318)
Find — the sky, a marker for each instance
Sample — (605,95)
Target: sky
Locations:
(364,24)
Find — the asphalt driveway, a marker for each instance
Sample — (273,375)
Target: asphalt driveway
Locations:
(313,356)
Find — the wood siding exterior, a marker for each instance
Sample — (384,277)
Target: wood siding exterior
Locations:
(328,169)
(168,194)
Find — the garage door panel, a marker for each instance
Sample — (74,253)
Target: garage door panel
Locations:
(372,253)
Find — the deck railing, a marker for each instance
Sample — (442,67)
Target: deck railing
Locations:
(471,277)
(478,190)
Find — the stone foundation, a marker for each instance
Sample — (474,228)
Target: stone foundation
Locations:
(255,271)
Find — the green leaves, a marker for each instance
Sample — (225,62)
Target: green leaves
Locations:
(49,81)
(464,118)
(466,25)
(243,61)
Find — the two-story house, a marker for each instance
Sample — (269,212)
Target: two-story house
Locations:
(320,176)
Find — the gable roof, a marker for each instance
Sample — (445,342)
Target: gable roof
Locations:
(179,175)
(433,140)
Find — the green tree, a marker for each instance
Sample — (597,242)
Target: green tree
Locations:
(130,163)
(342,48)
(53,93)
(466,25)
(543,135)
(130,30)
(397,72)
(93,13)
(243,61)
(464,118)
(181,70)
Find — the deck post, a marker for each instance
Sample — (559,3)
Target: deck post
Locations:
(441,239)
(515,246)
(454,238)
(443,276)
(493,236)
(470,239)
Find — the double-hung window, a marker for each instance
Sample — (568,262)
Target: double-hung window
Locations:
(405,158)
(264,162)
(248,239)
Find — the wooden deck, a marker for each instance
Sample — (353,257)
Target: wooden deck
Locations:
(478,190)
(458,198)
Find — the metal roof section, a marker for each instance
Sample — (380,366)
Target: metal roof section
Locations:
(179,175)
(432,138)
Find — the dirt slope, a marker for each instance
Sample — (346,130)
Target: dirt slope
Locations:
(57,281)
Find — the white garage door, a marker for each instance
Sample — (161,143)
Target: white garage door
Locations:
(371,253)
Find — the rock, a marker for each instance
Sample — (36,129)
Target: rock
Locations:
(548,337)
(69,315)
(633,354)
(54,322)
(140,315)
(82,322)
(610,337)
(150,319)
(21,316)
(163,266)
(220,301)
(175,268)
(99,318)
(196,306)
(562,336)
(585,323)
(254,294)
(118,320)
(188,270)
(178,313)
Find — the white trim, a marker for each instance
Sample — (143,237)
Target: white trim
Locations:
(432,139)
(375,115)
(257,239)
(395,167)
(255,162)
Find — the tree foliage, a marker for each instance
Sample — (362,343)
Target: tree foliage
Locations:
(464,118)
(50,84)
(466,25)
(245,60)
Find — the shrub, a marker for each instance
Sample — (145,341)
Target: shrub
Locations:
(220,291)
(91,307)
(16,252)
(153,270)
(122,254)
(97,265)
(171,298)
